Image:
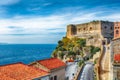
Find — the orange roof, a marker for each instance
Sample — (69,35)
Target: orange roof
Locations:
(70,60)
(4,77)
(20,71)
(117,57)
(52,63)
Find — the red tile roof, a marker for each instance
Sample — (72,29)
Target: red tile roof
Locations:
(70,60)
(4,77)
(52,63)
(117,57)
(20,71)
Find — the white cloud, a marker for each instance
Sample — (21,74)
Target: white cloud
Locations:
(8,2)
(47,4)
(34,9)
(45,27)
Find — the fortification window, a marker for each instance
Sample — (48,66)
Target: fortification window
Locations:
(90,28)
(111,28)
(79,29)
(117,32)
(83,28)
(105,27)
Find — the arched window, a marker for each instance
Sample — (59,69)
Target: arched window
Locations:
(117,32)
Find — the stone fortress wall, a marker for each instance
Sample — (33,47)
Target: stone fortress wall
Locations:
(96,32)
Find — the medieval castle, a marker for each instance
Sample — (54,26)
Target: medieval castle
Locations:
(96,32)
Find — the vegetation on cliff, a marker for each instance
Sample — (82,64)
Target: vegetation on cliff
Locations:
(74,48)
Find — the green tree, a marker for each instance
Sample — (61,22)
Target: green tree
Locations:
(61,55)
(60,43)
(81,42)
(54,54)
(80,62)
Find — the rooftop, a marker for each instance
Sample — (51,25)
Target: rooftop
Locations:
(4,77)
(19,71)
(52,63)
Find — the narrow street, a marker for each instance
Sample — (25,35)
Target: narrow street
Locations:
(87,72)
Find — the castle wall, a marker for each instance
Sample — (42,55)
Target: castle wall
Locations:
(107,29)
(96,33)
(88,30)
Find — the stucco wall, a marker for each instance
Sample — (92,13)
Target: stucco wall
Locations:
(60,73)
(47,77)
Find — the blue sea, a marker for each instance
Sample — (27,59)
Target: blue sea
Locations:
(26,53)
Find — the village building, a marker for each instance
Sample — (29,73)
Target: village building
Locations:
(115,58)
(54,66)
(115,52)
(20,71)
(96,33)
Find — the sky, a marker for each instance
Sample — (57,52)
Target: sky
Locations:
(45,21)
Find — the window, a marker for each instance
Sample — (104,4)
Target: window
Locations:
(51,78)
(90,28)
(111,28)
(117,32)
(55,77)
(84,28)
(105,27)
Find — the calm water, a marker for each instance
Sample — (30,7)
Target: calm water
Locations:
(25,53)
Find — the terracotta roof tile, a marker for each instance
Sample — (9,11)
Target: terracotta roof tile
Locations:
(4,77)
(20,71)
(52,63)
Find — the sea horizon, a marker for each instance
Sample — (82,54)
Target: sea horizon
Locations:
(25,53)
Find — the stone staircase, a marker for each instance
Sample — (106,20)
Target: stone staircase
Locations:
(106,65)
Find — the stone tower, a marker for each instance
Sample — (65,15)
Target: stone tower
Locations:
(116,30)
(71,31)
